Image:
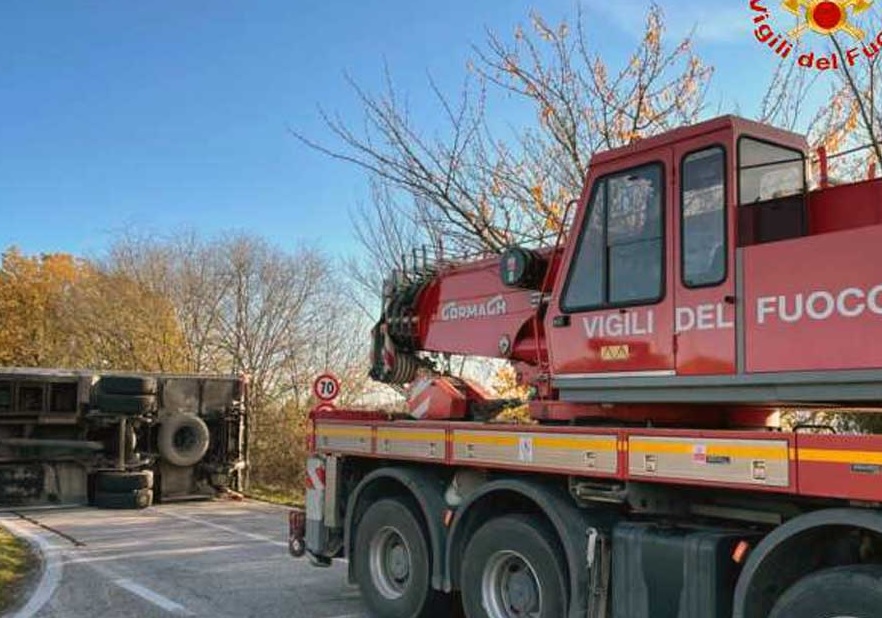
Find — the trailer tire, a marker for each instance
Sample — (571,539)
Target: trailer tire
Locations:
(128,405)
(183,439)
(138,499)
(128,385)
(122,482)
(853,591)
(392,563)
(511,567)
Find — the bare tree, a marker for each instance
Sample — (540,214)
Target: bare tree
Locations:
(466,190)
(247,306)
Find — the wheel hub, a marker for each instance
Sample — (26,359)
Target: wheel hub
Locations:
(522,594)
(390,561)
(399,562)
(510,587)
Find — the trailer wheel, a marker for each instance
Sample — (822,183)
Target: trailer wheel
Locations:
(183,439)
(392,563)
(122,482)
(511,569)
(138,499)
(852,591)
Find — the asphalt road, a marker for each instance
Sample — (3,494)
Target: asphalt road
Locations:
(219,559)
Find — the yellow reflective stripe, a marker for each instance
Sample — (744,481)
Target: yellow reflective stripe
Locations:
(344,432)
(774,452)
(485,438)
(576,444)
(845,457)
(418,436)
(539,441)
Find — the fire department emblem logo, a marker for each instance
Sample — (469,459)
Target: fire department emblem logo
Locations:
(827,16)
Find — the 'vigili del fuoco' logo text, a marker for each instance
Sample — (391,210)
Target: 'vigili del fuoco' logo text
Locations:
(824,17)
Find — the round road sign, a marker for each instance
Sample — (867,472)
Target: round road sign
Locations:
(326,387)
(324,407)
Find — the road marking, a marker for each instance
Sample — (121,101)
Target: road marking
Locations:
(52,569)
(138,590)
(153,597)
(228,529)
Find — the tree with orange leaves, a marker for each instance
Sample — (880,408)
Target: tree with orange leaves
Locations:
(60,311)
(473,191)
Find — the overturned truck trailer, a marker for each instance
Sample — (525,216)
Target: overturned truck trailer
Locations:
(119,440)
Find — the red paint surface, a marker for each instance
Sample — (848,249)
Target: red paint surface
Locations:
(828,262)
(836,479)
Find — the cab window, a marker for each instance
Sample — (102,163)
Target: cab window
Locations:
(768,171)
(771,189)
(703,218)
(619,259)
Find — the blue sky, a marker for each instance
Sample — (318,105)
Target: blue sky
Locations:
(165,115)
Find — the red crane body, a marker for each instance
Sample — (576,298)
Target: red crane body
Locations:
(700,269)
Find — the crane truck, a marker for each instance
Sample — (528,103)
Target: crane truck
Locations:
(704,288)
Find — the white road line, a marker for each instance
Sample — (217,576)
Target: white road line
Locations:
(52,568)
(208,524)
(153,597)
(138,590)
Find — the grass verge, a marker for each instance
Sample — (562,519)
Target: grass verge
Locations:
(275,494)
(17,563)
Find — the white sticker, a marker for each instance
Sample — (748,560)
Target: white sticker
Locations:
(525,450)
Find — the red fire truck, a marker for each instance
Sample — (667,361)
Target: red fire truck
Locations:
(703,289)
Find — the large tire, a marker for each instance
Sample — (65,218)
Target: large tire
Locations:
(183,439)
(853,591)
(392,564)
(128,385)
(129,405)
(139,499)
(123,482)
(512,567)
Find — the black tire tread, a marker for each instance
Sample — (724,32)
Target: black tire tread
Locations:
(123,482)
(139,499)
(528,535)
(425,603)
(854,591)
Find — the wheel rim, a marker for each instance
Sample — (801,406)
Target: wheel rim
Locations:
(391,563)
(510,587)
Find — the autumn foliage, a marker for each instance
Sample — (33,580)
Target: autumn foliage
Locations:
(60,311)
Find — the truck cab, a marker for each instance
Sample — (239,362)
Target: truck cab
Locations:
(697,257)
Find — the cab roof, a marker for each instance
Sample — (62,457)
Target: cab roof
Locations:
(736,125)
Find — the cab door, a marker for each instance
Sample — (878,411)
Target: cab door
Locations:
(612,312)
(704,317)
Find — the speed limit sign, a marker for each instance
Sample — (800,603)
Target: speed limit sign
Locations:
(326,387)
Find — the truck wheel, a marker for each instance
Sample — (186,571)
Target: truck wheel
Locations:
(130,405)
(852,591)
(392,564)
(127,385)
(122,482)
(183,439)
(511,569)
(138,499)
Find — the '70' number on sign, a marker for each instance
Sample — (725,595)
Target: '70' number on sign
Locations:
(326,387)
